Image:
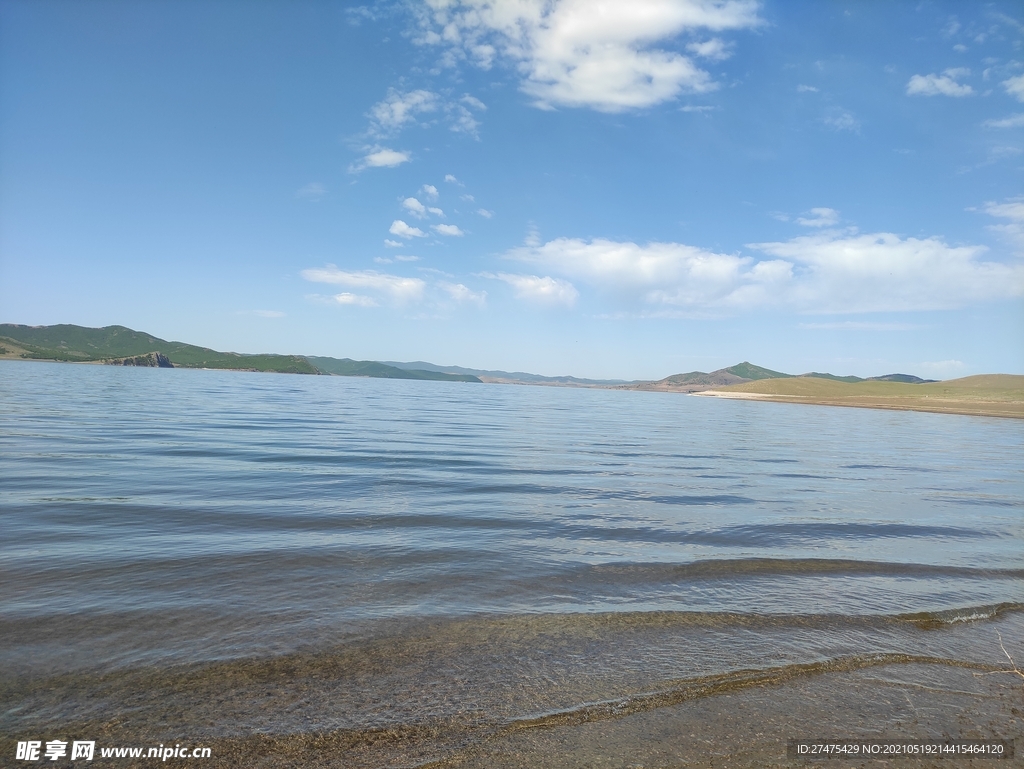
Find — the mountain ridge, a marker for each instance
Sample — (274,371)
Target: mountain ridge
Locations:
(121,345)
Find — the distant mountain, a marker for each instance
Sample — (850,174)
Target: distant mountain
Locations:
(833,377)
(125,347)
(697,381)
(506,376)
(906,378)
(369,368)
(700,379)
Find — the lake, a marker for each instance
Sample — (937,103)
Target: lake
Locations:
(230,556)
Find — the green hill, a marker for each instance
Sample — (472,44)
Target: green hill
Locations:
(369,368)
(748,370)
(904,378)
(67,342)
(833,377)
(118,344)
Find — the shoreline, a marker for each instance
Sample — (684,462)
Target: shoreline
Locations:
(1005,410)
(744,721)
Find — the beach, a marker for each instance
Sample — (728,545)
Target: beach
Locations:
(991,395)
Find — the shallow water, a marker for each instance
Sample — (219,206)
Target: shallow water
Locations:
(428,550)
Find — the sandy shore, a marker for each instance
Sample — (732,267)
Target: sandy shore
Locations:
(747,726)
(751,727)
(998,395)
(969,408)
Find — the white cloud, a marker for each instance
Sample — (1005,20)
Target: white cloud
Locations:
(399,258)
(403,230)
(1015,87)
(398,109)
(396,287)
(430,191)
(713,49)
(447,229)
(541,290)
(435,211)
(414,207)
(806,89)
(859,325)
(1013,121)
(485,213)
(313,191)
(960,48)
(658,273)
(940,85)
(473,102)
(462,120)
(882,272)
(354,299)
(380,157)
(452,180)
(463,294)
(828,272)
(579,53)
(1013,210)
(359,14)
(841,120)
(819,217)
(393,243)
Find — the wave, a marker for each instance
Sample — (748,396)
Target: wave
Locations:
(707,686)
(725,568)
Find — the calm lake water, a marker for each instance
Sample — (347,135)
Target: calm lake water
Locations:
(429,550)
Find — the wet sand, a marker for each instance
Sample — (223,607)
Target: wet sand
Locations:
(744,725)
(540,693)
(751,727)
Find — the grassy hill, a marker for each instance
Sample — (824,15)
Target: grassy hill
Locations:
(67,342)
(80,344)
(369,368)
(748,370)
(833,377)
(986,394)
(741,373)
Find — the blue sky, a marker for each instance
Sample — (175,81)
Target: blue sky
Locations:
(607,189)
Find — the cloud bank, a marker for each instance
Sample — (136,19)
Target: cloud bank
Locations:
(538,290)
(380,157)
(395,288)
(940,85)
(827,272)
(599,54)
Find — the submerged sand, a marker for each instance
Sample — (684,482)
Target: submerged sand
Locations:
(744,726)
